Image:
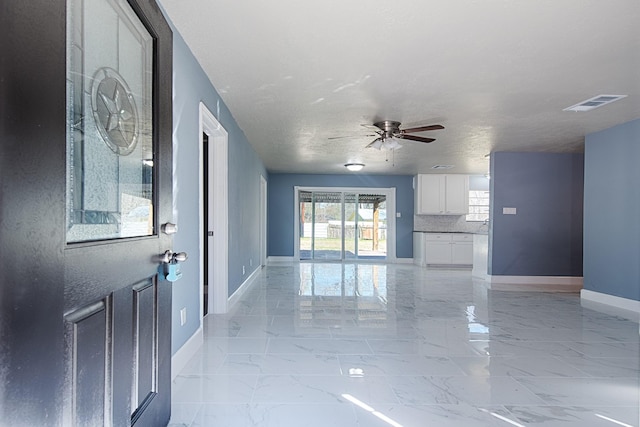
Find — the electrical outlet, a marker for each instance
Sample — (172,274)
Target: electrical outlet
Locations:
(183,316)
(243,269)
(250,262)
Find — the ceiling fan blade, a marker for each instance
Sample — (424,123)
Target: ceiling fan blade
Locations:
(422,129)
(415,138)
(371,127)
(351,136)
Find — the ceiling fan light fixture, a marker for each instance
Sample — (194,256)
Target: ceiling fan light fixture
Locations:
(377,144)
(354,167)
(392,144)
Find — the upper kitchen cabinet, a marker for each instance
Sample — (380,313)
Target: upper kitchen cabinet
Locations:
(437,194)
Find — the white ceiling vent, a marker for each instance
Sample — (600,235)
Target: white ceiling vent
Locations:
(442,167)
(595,102)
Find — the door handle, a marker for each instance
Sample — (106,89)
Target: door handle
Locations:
(169,268)
(169,257)
(169,228)
(179,257)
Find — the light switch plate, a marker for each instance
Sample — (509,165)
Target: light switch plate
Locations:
(508,211)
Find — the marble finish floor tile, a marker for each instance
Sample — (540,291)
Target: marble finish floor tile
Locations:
(575,416)
(330,344)
(512,366)
(398,365)
(276,415)
(585,391)
(281,364)
(476,390)
(434,415)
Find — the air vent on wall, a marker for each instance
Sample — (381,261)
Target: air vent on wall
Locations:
(595,102)
(442,167)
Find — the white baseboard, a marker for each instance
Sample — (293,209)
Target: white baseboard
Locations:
(450,266)
(478,273)
(610,304)
(533,283)
(291,260)
(186,352)
(280,260)
(244,287)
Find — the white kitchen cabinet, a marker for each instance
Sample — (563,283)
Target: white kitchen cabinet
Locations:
(429,194)
(448,249)
(437,194)
(462,249)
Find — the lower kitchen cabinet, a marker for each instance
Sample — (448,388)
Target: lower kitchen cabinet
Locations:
(448,249)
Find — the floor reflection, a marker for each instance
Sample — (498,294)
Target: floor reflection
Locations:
(343,296)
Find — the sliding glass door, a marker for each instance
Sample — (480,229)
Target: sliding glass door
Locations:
(338,225)
(320,225)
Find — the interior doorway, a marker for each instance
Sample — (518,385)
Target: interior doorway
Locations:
(263,221)
(205,214)
(214,221)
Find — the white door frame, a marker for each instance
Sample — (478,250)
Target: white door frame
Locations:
(218,220)
(263,221)
(390,193)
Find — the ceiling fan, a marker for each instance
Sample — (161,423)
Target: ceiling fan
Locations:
(389,134)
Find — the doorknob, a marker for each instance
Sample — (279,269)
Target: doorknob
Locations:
(169,257)
(180,257)
(169,228)
(170,268)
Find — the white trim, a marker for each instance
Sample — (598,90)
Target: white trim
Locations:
(534,283)
(186,352)
(404,260)
(479,273)
(244,287)
(280,260)
(609,300)
(389,192)
(263,221)
(218,211)
(480,256)
(542,280)
(450,266)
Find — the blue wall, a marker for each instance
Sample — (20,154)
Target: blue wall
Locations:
(190,86)
(544,238)
(612,211)
(280,206)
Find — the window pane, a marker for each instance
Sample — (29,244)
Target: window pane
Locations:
(478,206)
(109,122)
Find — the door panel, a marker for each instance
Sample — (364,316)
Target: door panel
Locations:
(85,321)
(145,348)
(351,226)
(327,226)
(88,350)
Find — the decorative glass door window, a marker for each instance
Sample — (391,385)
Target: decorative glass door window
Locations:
(109,122)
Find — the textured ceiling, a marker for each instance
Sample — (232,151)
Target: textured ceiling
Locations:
(495,73)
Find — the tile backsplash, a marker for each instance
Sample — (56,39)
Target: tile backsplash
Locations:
(447,223)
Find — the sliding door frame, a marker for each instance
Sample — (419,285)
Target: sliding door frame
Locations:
(389,193)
